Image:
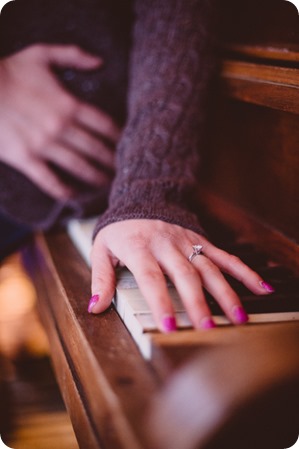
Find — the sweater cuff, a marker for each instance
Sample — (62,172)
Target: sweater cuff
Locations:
(171,202)
(178,217)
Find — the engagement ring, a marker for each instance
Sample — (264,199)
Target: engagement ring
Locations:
(197,250)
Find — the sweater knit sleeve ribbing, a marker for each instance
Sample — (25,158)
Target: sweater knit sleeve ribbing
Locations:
(158,154)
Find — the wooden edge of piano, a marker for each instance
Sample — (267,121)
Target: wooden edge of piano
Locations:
(110,390)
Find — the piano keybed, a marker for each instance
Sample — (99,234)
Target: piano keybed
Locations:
(283,305)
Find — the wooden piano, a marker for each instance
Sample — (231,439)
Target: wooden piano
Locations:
(232,386)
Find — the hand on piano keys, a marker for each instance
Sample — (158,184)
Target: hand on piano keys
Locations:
(152,248)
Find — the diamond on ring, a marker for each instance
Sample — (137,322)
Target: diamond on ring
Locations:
(197,250)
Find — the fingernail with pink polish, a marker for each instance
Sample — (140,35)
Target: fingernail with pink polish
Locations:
(207,323)
(240,315)
(169,324)
(267,287)
(92,302)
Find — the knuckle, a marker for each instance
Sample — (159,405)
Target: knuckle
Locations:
(36,49)
(184,270)
(41,52)
(109,125)
(233,261)
(69,106)
(138,242)
(38,140)
(208,267)
(151,275)
(53,125)
(99,279)
(228,292)
(74,51)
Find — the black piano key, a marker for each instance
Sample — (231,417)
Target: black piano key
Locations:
(275,273)
(248,254)
(261,304)
(274,303)
(253,304)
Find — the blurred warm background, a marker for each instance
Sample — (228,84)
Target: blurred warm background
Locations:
(32,413)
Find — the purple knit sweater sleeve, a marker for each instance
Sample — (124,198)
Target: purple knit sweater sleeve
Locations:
(158,154)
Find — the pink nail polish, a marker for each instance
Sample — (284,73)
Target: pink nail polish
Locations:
(267,287)
(240,315)
(92,302)
(207,323)
(169,324)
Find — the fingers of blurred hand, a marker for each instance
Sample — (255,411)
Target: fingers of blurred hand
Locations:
(103,280)
(98,121)
(87,144)
(34,168)
(37,112)
(44,178)
(75,164)
(68,56)
(188,284)
(235,267)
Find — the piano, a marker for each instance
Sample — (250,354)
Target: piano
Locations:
(232,386)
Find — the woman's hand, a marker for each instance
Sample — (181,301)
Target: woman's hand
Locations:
(150,248)
(41,123)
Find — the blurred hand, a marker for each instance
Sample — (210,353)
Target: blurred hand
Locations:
(41,123)
(152,248)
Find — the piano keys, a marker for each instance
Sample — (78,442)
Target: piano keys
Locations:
(283,305)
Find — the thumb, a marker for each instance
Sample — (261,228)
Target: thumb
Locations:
(103,280)
(71,56)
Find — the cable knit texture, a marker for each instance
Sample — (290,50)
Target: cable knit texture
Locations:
(158,154)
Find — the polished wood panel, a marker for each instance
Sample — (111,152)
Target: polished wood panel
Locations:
(271,86)
(253,163)
(253,229)
(287,54)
